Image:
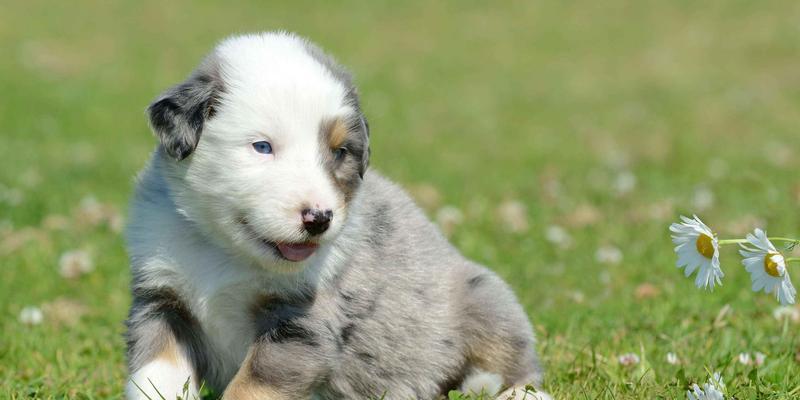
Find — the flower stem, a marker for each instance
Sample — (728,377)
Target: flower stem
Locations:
(791,259)
(774,239)
(783,239)
(731,241)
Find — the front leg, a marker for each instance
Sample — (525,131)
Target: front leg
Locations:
(249,383)
(288,360)
(164,349)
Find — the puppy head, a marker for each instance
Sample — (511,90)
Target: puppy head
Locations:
(264,146)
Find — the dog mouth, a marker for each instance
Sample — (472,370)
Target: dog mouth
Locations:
(295,252)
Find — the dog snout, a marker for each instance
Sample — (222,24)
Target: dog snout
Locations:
(316,221)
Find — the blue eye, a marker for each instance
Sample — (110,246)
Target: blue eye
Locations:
(263,147)
(339,153)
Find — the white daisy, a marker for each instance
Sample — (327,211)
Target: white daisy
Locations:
(712,390)
(697,247)
(767,267)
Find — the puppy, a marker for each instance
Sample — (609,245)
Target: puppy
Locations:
(269,263)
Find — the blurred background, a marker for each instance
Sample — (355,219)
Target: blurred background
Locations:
(553,141)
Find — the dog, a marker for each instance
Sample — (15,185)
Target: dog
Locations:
(268,262)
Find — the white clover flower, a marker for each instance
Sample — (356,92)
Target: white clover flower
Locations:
(790,313)
(116,222)
(712,390)
(744,359)
(703,198)
(760,358)
(90,211)
(577,296)
(628,359)
(75,263)
(697,247)
(558,236)
(767,267)
(624,183)
(31,315)
(673,359)
(514,216)
(608,254)
(448,217)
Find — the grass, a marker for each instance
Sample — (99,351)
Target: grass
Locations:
(547,103)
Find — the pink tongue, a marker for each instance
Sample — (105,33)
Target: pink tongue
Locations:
(297,251)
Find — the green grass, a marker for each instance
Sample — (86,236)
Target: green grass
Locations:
(541,102)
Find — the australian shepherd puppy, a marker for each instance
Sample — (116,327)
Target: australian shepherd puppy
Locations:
(269,263)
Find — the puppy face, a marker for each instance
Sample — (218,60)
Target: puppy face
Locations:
(266,144)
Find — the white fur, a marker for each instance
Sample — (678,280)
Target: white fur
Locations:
(482,382)
(479,381)
(275,92)
(161,378)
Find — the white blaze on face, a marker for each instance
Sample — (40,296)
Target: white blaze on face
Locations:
(274,91)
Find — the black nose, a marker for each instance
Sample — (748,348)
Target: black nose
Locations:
(316,221)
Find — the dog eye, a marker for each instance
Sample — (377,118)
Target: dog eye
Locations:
(338,154)
(263,147)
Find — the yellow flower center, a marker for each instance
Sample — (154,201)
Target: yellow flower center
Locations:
(771,266)
(704,246)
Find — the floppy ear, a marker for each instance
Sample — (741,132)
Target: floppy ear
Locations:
(178,115)
(365,156)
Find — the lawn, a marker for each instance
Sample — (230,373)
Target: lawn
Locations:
(592,125)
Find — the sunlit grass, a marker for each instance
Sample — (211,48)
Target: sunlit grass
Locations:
(554,105)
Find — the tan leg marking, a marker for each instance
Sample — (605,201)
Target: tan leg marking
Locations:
(245,386)
(169,353)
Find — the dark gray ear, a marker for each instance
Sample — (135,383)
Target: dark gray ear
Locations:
(178,115)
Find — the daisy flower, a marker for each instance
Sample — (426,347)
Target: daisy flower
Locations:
(767,267)
(712,390)
(698,249)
